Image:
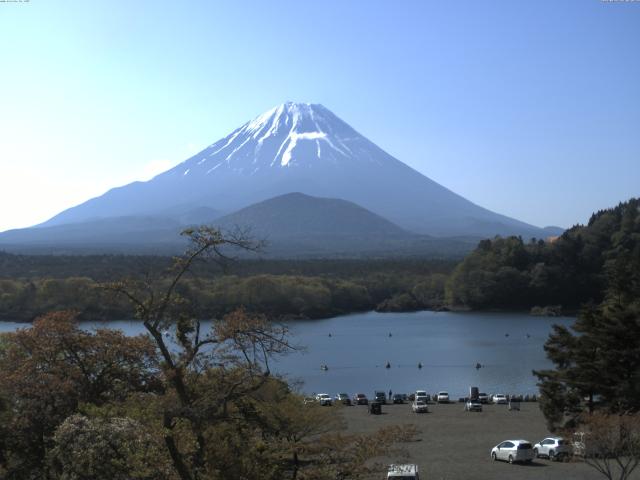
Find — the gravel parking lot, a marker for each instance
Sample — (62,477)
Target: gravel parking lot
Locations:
(454,444)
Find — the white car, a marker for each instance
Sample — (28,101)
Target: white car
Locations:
(443,397)
(553,448)
(420,406)
(324,399)
(422,395)
(403,472)
(500,399)
(513,451)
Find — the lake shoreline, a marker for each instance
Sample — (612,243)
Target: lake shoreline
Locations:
(294,317)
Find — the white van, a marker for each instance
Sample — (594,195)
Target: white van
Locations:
(403,472)
(422,395)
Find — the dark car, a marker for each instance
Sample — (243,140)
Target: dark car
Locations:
(375,408)
(343,398)
(400,398)
(360,399)
(380,397)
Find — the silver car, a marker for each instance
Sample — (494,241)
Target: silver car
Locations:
(420,406)
(473,406)
(552,447)
(422,395)
(500,399)
(513,451)
(443,397)
(324,399)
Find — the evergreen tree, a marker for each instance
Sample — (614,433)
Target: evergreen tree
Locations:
(597,362)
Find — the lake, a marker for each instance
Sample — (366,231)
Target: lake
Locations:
(448,344)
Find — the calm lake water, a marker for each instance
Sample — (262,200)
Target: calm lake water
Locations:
(447,344)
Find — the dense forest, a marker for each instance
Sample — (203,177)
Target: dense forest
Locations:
(33,285)
(572,270)
(549,276)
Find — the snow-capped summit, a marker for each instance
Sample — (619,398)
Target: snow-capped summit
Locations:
(300,147)
(289,135)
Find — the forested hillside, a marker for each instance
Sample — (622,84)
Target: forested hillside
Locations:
(574,269)
(595,382)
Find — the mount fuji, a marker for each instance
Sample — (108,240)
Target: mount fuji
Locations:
(294,147)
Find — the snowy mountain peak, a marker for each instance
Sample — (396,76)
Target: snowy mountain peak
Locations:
(288,135)
(300,120)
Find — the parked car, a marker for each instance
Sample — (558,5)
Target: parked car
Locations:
(473,406)
(403,472)
(483,397)
(422,395)
(419,406)
(400,398)
(324,399)
(500,399)
(514,404)
(343,398)
(443,397)
(360,399)
(552,447)
(380,396)
(513,451)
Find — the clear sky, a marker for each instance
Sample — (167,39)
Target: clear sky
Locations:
(528,108)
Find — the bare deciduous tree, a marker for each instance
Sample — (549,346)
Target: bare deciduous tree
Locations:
(610,443)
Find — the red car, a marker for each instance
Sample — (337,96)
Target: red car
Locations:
(360,399)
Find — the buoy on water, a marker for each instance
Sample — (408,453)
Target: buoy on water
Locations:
(419,364)
(388,365)
(478,366)
(324,367)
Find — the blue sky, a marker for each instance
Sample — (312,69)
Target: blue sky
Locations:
(531,109)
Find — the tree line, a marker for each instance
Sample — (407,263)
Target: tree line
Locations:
(571,270)
(282,295)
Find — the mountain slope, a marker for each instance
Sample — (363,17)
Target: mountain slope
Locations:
(298,225)
(302,148)
(297,215)
(139,234)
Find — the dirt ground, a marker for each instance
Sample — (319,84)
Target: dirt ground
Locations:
(454,444)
